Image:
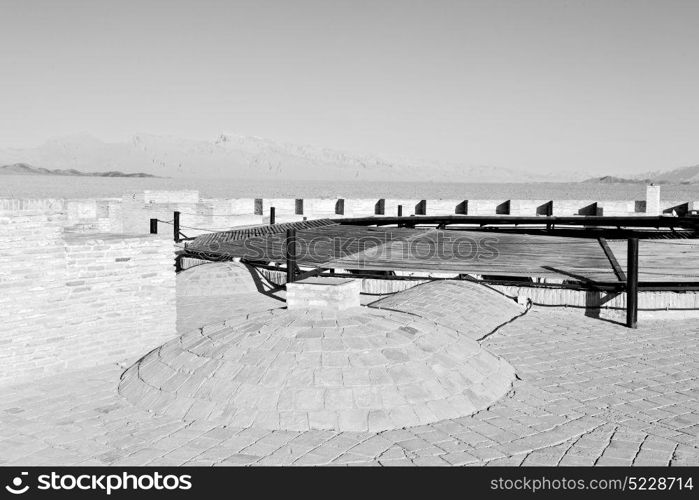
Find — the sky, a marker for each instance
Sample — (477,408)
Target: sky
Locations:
(594,86)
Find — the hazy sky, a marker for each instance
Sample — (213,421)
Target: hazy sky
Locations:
(542,85)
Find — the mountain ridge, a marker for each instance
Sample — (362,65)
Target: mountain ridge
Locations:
(26,169)
(681,175)
(246,157)
(237,156)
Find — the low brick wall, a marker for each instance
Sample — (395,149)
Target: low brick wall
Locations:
(132,213)
(72,300)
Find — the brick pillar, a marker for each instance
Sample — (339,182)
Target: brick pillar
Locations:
(653,200)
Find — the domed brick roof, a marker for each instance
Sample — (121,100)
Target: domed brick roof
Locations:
(354,370)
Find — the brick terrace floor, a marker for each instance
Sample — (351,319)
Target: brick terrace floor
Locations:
(591,393)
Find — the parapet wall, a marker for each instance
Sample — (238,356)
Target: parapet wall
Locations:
(132,213)
(201,215)
(72,300)
(81,215)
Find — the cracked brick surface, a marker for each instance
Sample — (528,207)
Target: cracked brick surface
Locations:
(471,309)
(591,392)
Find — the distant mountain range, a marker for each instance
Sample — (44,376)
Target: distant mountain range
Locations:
(25,169)
(683,175)
(246,157)
(254,158)
(611,179)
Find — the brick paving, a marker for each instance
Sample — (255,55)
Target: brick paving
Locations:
(590,392)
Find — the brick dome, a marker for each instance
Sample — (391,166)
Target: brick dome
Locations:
(354,370)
